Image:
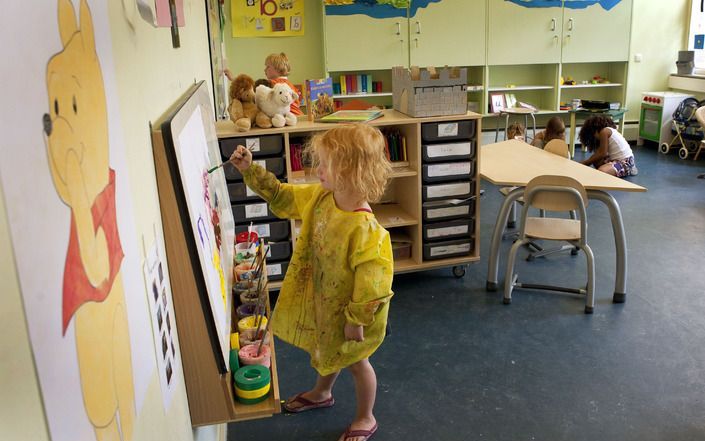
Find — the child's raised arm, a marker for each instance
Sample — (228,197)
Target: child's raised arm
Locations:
(600,153)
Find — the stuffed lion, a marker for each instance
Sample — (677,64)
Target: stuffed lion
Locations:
(242,109)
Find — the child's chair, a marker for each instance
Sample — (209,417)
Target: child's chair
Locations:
(558,194)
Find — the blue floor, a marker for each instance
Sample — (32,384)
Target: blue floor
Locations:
(460,365)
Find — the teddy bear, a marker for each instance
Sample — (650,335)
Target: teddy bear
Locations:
(242,108)
(274,103)
(93,294)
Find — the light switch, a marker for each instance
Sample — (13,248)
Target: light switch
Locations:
(637,58)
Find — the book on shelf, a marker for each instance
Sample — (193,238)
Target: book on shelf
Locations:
(319,98)
(352,116)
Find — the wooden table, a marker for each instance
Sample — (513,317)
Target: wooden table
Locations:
(617,115)
(515,163)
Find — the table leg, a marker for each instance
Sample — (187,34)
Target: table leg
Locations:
(506,125)
(502,216)
(620,243)
(572,135)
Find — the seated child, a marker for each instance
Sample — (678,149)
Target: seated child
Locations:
(515,131)
(611,153)
(276,69)
(555,129)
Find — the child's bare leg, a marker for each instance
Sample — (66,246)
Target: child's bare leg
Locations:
(608,168)
(323,390)
(365,391)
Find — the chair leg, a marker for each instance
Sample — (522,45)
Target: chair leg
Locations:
(590,297)
(509,277)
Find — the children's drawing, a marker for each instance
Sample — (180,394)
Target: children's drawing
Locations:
(76,131)
(376,8)
(572,4)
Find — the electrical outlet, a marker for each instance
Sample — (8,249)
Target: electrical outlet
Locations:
(637,58)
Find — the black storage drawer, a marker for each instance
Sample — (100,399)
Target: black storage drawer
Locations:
(239,192)
(276,270)
(274,165)
(446,249)
(278,251)
(447,131)
(450,190)
(447,171)
(252,212)
(272,231)
(448,151)
(443,210)
(435,231)
(268,145)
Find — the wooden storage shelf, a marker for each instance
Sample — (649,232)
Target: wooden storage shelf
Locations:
(527,87)
(588,86)
(360,95)
(405,187)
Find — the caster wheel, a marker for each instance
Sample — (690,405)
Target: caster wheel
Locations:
(588,310)
(574,251)
(683,153)
(664,148)
(458,271)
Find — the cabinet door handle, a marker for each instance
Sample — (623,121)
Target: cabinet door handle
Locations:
(555,39)
(418,27)
(416,42)
(398,28)
(553,24)
(570,24)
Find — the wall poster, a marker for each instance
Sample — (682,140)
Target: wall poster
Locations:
(267,18)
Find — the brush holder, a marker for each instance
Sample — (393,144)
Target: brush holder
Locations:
(248,338)
(248,297)
(245,310)
(250,323)
(248,355)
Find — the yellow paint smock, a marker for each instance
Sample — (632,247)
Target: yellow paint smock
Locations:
(341,271)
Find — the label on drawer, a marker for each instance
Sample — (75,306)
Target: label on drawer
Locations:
(269,251)
(450,249)
(446,231)
(447,129)
(250,193)
(256,210)
(455,149)
(252,144)
(262,230)
(450,169)
(439,191)
(446,212)
(274,270)
(262,163)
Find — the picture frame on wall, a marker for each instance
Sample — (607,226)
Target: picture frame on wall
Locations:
(511,100)
(497,102)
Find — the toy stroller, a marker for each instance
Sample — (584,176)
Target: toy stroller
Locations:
(686,129)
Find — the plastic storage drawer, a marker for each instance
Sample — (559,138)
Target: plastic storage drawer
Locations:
(447,171)
(272,231)
(239,192)
(447,131)
(279,251)
(274,165)
(451,190)
(450,151)
(252,212)
(268,145)
(447,249)
(276,270)
(443,210)
(435,231)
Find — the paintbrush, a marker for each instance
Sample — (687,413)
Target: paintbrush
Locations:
(212,169)
(264,335)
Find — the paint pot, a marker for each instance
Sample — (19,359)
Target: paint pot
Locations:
(248,355)
(248,338)
(244,271)
(244,286)
(251,323)
(249,298)
(245,310)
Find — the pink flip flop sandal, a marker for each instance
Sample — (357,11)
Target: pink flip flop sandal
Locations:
(306,404)
(364,434)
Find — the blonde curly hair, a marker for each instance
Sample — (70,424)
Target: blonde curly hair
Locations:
(357,156)
(280,63)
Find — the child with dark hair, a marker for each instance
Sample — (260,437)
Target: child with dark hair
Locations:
(611,153)
(555,129)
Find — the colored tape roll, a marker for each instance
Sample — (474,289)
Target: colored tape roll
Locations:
(234,360)
(252,377)
(251,400)
(235,340)
(252,394)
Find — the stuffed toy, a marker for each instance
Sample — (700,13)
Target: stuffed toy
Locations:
(242,109)
(274,103)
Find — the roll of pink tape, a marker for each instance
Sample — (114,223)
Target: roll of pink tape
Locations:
(248,355)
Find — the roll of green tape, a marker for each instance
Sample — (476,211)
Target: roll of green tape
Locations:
(252,377)
(251,394)
(252,400)
(234,360)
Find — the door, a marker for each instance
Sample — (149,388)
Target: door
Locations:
(520,34)
(449,32)
(593,33)
(359,41)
